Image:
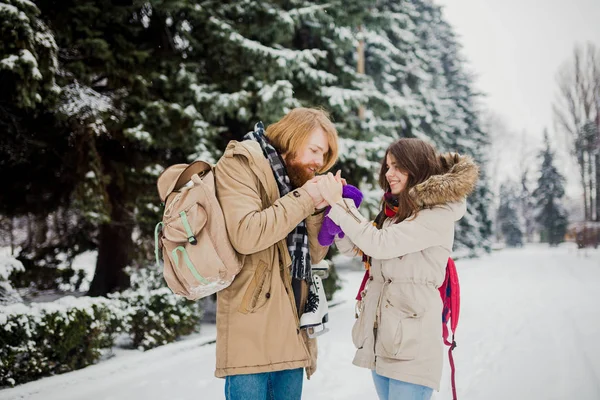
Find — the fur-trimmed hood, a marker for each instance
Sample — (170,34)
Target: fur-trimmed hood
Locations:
(454,185)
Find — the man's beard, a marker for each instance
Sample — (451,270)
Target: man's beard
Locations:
(299,173)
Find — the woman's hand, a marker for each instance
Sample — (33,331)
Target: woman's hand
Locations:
(330,187)
(323,203)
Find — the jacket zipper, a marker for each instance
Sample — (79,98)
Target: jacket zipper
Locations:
(348,211)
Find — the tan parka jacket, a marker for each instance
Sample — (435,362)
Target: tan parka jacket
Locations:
(257,322)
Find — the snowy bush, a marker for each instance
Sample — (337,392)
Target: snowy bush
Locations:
(49,338)
(83,267)
(156,317)
(55,337)
(8,265)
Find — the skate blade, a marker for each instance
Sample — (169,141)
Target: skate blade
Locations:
(316,331)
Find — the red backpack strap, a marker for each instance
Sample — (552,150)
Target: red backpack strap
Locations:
(362,285)
(452,368)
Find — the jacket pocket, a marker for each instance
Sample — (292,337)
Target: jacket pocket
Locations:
(359,332)
(257,294)
(400,329)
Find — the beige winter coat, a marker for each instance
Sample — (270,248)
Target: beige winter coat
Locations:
(257,323)
(398,332)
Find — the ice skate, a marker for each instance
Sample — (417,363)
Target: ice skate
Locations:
(321,269)
(316,310)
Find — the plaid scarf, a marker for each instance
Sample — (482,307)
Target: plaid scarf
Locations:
(297,240)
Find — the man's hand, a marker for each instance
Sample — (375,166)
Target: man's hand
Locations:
(316,179)
(313,191)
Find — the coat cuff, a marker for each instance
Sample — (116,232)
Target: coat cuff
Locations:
(304,199)
(344,213)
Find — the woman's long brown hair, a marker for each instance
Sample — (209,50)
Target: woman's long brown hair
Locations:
(419,160)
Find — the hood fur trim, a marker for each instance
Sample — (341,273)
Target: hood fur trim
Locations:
(456,183)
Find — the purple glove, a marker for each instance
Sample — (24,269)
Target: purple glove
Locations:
(329,229)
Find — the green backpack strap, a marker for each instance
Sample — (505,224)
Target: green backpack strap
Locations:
(188,229)
(156,233)
(189,264)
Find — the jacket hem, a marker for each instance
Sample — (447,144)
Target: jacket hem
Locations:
(392,374)
(257,369)
(360,362)
(401,376)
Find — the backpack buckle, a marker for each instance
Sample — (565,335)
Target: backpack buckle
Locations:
(192,240)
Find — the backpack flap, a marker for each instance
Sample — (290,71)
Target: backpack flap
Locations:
(176,176)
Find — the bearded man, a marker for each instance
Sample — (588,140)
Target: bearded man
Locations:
(266,185)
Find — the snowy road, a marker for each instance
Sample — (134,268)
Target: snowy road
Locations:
(529,329)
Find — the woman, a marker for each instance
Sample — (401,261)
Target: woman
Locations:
(398,332)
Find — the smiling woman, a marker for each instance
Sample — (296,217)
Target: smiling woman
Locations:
(405,251)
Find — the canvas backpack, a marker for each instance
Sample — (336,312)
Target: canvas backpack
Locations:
(199,259)
(450,294)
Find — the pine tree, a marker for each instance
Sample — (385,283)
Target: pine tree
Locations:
(527,207)
(28,56)
(508,215)
(28,92)
(126,99)
(145,85)
(37,152)
(258,61)
(551,214)
(417,66)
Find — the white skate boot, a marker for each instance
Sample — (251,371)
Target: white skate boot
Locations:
(321,269)
(316,310)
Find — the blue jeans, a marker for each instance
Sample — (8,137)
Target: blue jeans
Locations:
(278,385)
(393,389)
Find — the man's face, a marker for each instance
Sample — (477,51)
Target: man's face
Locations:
(302,166)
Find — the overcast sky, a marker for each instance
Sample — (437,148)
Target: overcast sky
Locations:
(516,48)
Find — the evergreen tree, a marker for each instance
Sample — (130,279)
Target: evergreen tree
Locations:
(508,215)
(258,61)
(34,144)
(551,214)
(461,130)
(527,206)
(38,155)
(145,85)
(123,95)
(414,60)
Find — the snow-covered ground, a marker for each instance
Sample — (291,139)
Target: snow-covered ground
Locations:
(529,329)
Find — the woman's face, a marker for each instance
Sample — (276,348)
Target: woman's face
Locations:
(396,178)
